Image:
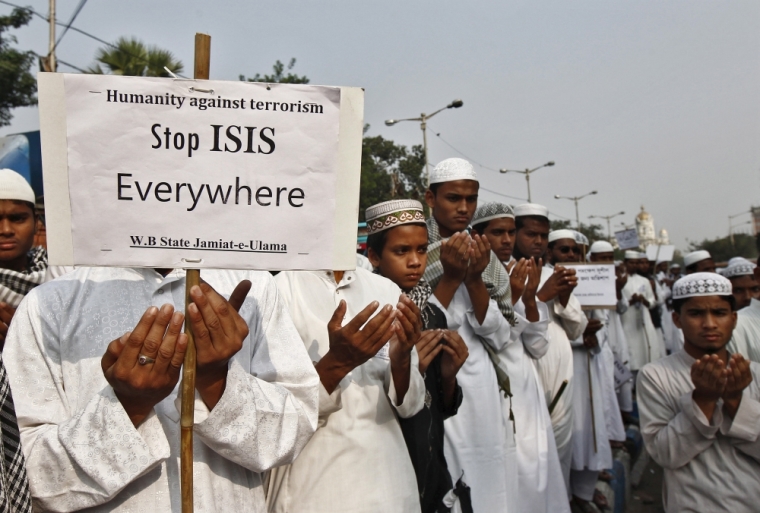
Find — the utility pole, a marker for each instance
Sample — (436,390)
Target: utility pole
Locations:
(51,63)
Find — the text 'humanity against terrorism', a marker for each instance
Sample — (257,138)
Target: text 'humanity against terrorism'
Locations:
(202,103)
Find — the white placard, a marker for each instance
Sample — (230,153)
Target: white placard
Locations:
(627,239)
(153,172)
(596,285)
(660,253)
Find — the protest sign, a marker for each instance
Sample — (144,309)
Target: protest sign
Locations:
(627,239)
(660,253)
(596,285)
(158,172)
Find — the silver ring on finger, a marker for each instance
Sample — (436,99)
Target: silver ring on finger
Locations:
(145,360)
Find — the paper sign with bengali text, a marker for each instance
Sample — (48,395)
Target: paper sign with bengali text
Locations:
(596,285)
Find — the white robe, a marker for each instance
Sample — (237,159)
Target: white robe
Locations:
(746,338)
(643,342)
(540,486)
(611,330)
(82,450)
(591,447)
(478,438)
(357,461)
(709,464)
(556,366)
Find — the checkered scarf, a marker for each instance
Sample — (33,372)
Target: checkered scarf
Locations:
(419,296)
(496,280)
(15,496)
(15,285)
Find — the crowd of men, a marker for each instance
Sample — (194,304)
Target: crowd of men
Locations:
(453,371)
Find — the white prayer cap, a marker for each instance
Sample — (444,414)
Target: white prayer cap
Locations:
(736,260)
(490,211)
(675,265)
(601,246)
(13,186)
(390,214)
(561,234)
(531,209)
(701,284)
(453,169)
(580,238)
(695,256)
(632,255)
(739,267)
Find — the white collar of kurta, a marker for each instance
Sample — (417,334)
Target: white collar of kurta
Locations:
(348,278)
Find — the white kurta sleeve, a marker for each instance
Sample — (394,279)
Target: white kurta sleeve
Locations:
(265,418)
(76,459)
(744,428)
(414,399)
(533,336)
(571,317)
(673,437)
(495,330)
(622,305)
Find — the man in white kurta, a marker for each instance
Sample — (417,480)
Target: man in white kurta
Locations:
(540,485)
(746,338)
(701,426)
(644,344)
(567,322)
(82,448)
(471,287)
(357,461)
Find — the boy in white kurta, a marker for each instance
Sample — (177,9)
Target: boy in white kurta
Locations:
(357,460)
(95,439)
(700,407)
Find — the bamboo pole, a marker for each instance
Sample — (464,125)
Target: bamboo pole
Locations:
(591,396)
(193,277)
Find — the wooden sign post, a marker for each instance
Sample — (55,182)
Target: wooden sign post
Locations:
(192,278)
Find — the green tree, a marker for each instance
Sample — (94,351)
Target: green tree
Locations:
(17,85)
(278,77)
(131,57)
(389,171)
(722,250)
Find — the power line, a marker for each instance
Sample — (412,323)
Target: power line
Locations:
(438,135)
(502,194)
(71,20)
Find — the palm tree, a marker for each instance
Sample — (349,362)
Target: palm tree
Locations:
(134,58)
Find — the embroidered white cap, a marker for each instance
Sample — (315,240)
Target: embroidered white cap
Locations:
(492,210)
(696,256)
(13,186)
(601,246)
(739,267)
(632,255)
(561,234)
(531,209)
(390,214)
(701,284)
(453,169)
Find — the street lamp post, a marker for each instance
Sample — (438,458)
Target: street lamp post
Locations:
(731,228)
(527,173)
(423,126)
(575,199)
(609,231)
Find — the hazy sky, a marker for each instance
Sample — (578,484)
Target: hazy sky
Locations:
(650,103)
